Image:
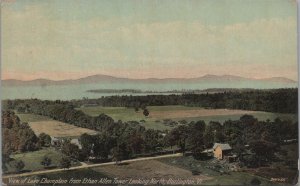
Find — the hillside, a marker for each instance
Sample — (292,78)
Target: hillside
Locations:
(110,79)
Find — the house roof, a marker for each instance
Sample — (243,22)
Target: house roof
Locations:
(76,142)
(207,150)
(223,146)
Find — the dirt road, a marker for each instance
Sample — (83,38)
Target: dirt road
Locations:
(89,166)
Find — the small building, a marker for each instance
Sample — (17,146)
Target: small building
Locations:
(55,141)
(231,158)
(76,141)
(208,152)
(221,150)
(58,141)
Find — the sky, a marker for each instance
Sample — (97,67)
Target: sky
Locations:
(69,39)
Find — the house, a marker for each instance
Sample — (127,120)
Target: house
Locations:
(76,141)
(208,152)
(55,141)
(58,141)
(221,150)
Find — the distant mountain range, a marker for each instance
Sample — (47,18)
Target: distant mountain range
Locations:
(110,79)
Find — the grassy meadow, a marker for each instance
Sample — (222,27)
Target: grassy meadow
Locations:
(44,124)
(158,115)
(58,129)
(32,160)
(158,119)
(32,117)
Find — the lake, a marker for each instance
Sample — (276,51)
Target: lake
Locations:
(69,92)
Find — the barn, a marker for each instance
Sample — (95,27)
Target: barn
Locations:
(221,150)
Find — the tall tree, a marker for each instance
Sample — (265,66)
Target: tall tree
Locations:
(102,145)
(146,112)
(136,143)
(87,143)
(264,151)
(180,135)
(70,149)
(44,139)
(196,135)
(120,152)
(65,162)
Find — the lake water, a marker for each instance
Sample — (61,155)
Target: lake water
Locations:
(68,92)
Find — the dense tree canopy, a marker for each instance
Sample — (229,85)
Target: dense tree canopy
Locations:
(44,140)
(16,136)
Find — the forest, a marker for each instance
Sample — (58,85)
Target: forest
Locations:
(271,100)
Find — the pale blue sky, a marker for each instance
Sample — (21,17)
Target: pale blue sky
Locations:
(62,39)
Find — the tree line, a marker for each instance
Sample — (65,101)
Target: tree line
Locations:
(18,137)
(274,100)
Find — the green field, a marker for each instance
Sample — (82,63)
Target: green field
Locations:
(42,124)
(173,113)
(32,117)
(177,113)
(32,159)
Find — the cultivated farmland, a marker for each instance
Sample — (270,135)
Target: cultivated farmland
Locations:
(148,169)
(44,124)
(160,115)
(58,129)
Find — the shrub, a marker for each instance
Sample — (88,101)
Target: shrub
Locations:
(255,181)
(65,163)
(46,161)
(19,165)
(196,172)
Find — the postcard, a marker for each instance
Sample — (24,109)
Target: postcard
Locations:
(149,92)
